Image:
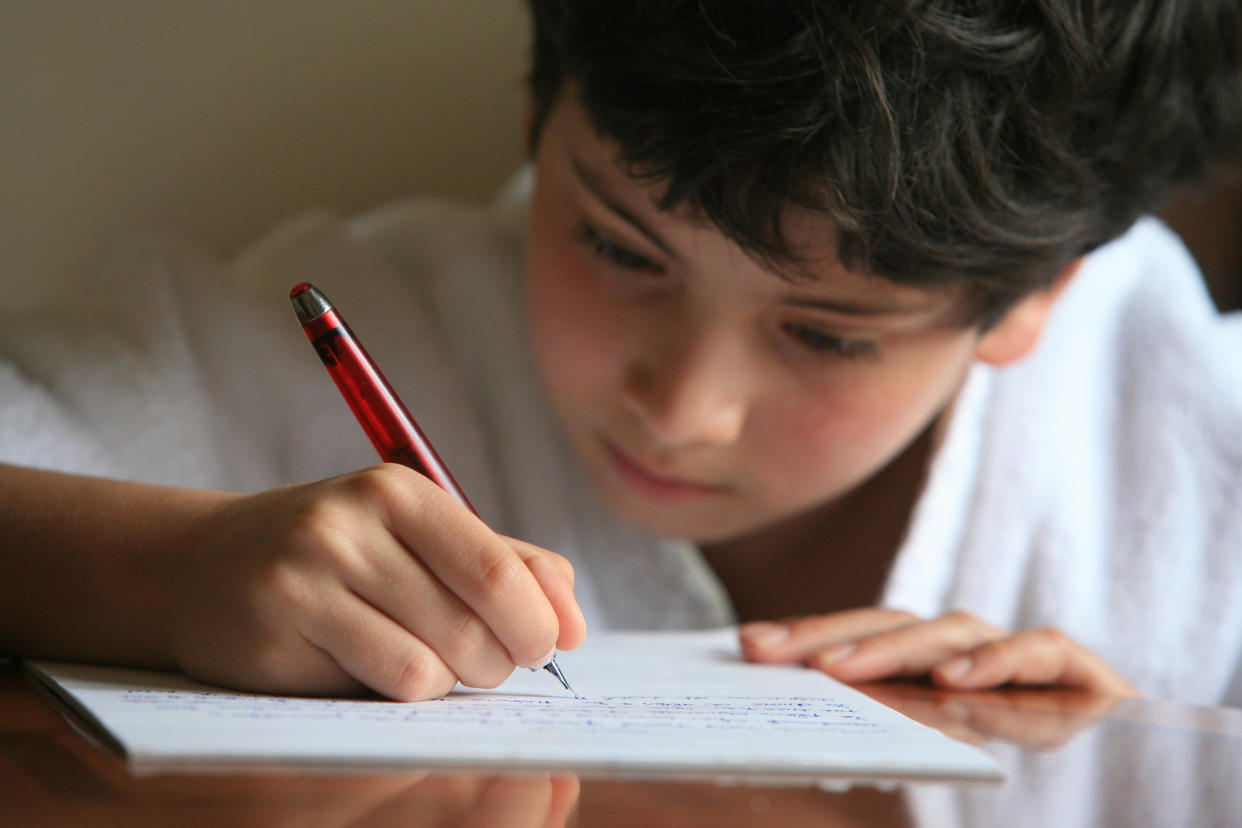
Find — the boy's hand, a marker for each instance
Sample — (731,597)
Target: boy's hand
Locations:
(376,578)
(955,650)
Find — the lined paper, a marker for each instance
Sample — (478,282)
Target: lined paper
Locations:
(648,703)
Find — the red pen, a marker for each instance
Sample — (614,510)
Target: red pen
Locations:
(380,412)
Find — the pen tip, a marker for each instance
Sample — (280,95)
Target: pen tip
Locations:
(299,289)
(555,670)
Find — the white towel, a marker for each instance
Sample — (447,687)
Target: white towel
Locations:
(1096,486)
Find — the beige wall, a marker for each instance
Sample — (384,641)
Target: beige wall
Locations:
(215,119)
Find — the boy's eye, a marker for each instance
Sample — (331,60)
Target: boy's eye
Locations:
(605,248)
(825,343)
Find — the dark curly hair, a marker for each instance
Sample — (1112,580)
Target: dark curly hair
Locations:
(949,141)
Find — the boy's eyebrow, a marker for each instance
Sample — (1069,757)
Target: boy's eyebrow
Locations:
(591,181)
(844,306)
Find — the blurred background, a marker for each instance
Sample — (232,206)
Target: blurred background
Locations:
(217,119)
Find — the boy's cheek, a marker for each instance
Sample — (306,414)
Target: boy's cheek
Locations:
(802,462)
(819,449)
(570,336)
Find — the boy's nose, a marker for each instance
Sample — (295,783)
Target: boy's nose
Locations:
(694,393)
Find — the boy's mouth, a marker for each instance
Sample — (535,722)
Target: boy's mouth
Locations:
(656,484)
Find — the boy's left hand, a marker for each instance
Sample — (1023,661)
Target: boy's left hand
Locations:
(956,650)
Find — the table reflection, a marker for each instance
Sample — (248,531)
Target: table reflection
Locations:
(1069,758)
(1072,758)
(469,800)
(1066,764)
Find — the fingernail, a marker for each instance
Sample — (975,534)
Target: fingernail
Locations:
(833,654)
(765,635)
(955,668)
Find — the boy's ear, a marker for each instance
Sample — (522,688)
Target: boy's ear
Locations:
(1017,333)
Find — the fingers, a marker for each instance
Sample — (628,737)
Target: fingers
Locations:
(476,565)
(378,652)
(555,576)
(797,639)
(869,643)
(1043,656)
(957,650)
(912,650)
(402,586)
(402,589)
(480,602)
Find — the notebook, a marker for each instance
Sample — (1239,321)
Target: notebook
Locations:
(647,703)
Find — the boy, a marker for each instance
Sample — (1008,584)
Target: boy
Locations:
(772,251)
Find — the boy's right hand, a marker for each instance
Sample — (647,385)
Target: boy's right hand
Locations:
(376,578)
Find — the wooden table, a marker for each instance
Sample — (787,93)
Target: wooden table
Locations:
(1070,759)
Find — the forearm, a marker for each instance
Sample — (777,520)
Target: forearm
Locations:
(82,560)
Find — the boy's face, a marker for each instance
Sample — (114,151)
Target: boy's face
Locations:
(704,395)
